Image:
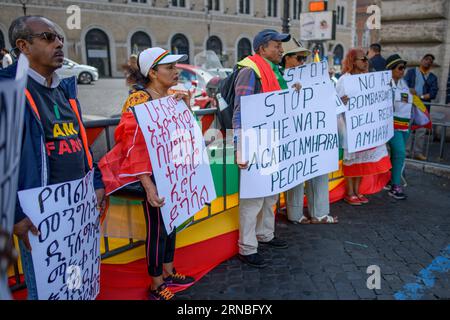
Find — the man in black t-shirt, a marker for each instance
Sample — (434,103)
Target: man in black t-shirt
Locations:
(54,146)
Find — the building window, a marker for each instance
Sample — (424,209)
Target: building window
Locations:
(179,3)
(180,45)
(244,49)
(138,1)
(244,6)
(98,51)
(448,88)
(139,42)
(2,40)
(338,55)
(365,43)
(296,9)
(340,15)
(214,44)
(272,8)
(214,5)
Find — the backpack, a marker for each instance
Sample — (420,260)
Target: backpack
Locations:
(226,99)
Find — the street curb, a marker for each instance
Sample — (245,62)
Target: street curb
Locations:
(432,168)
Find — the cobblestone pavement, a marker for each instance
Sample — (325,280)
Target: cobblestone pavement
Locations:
(330,261)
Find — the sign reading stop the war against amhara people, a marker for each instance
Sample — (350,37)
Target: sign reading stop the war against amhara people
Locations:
(369,115)
(287,137)
(313,74)
(66,254)
(179,159)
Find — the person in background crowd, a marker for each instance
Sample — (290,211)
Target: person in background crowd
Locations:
(332,73)
(6,59)
(363,163)
(424,84)
(259,73)
(316,188)
(130,65)
(156,73)
(376,61)
(47,159)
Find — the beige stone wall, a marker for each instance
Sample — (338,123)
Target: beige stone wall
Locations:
(413,28)
(120,20)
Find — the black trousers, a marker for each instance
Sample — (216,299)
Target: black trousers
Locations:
(159,246)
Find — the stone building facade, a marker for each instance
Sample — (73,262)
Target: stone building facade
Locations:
(414,28)
(111,30)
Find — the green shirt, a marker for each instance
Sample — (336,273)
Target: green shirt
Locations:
(280,78)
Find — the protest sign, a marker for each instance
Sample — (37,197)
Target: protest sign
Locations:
(66,254)
(288,137)
(369,115)
(12,100)
(179,159)
(313,74)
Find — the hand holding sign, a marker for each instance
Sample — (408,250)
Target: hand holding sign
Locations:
(22,230)
(152,194)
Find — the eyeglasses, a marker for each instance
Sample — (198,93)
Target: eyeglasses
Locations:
(47,36)
(400,68)
(300,58)
(363,59)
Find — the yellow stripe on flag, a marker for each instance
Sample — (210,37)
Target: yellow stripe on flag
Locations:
(317,57)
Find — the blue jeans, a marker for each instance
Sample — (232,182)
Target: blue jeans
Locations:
(28,271)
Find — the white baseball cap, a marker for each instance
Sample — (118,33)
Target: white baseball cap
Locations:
(151,57)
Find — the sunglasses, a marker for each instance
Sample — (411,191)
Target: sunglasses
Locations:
(364,59)
(301,58)
(400,68)
(47,36)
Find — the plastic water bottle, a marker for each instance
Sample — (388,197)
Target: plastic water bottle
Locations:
(221,101)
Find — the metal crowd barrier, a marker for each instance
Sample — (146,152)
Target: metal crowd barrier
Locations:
(107,125)
(439,125)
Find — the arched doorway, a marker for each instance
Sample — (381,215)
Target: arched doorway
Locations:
(338,54)
(139,42)
(244,49)
(180,45)
(98,51)
(2,40)
(214,44)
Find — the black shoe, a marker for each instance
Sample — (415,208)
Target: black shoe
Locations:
(177,279)
(388,187)
(254,260)
(162,293)
(276,243)
(397,193)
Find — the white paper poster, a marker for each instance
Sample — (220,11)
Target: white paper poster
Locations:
(179,159)
(288,137)
(12,107)
(66,254)
(313,74)
(369,115)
